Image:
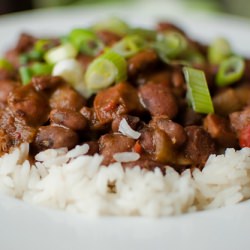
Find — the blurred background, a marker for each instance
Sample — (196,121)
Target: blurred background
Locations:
(236,7)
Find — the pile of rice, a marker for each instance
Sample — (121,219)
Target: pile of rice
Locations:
(76,182)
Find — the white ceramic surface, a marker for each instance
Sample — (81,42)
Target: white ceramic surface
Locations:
(25,227)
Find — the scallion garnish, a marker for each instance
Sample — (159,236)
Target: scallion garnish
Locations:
(170,45)
(230,71)
(219,50)
(40,69)
(129,45)
(4,64)
(32,55)
(36,69)
(147,34)
(59,53)
(113,24)
(105,70)
(25,74)
(86,41)
(197,90)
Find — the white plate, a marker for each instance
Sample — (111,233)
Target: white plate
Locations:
(26,227)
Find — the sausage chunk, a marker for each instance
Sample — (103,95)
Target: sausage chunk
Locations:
(65,97)
(68,118)
(15,129)
(109,144)
(55,137)
(199,145)
(25,103)
(158,100)
(115,101)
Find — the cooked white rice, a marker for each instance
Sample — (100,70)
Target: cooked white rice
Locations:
(75,182)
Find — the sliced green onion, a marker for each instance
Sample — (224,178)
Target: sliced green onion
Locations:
(78,36)
(219,50)
(100,74)
(4,64)
(105,70)
(119,62)
(230,71)
(170,45)
(41,44)
(129,45)
(36,69)
(32,55)
(25,74)
(59,53)
(86,41)
(40,69)
(113,24)
(147,34)
(197,90)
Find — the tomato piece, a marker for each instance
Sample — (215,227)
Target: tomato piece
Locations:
(244,137)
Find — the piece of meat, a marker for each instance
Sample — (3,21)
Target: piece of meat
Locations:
(43,83)
(54,137)
(15,129)
(158,100)
(239,120)
(144,60)
(109,144)
(219,129)
(6,87)
(132,121)
(25,42)
(65,97)
(68,118)
(27,104)
(174,130)
(199,145)
(115,101)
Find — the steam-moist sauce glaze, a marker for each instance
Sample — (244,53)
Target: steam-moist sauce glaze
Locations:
(51,111)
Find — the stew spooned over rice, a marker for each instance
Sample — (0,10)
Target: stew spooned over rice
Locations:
(139,97)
